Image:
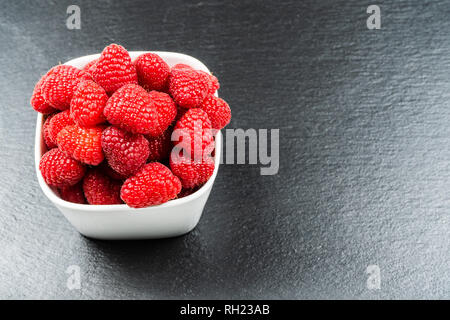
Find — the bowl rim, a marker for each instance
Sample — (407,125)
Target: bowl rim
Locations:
(51,195)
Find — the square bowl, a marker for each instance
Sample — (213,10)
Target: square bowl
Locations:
(120,222)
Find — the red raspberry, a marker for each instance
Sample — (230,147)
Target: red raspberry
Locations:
(194,133)
(153,184)
(191,172)
(131,109)
(218,111)
(58,122)
(126,152)
(83,144)
(73,193)
(188,87)
(114,69)
(37,99)
(166,110)
(60,83)
(214,84)
(100,189)
(88,102)
(152,71)
(46,133)
(160,146)
(60,170)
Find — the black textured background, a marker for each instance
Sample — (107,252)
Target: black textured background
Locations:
(364,119)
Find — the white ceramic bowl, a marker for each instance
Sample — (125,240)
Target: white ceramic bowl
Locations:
(114,222)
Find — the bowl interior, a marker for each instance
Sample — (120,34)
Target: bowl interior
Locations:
(171,59)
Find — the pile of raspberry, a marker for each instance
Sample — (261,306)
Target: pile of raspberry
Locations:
(110,129)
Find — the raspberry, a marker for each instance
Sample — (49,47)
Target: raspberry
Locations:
(126,152)
(60,83)
(160,146)
(131,109)
(100,189)
(58,122)
(218,111)
(191,172)
(46,133)
(153,184)
(114,69)
(166,110)
(83,144)
(193,132)
(188,87)
(152,71)
(60,170)
(214,84)
(37,99)
(73,193)
(88,102)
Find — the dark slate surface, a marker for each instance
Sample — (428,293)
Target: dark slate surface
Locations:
(364,119)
